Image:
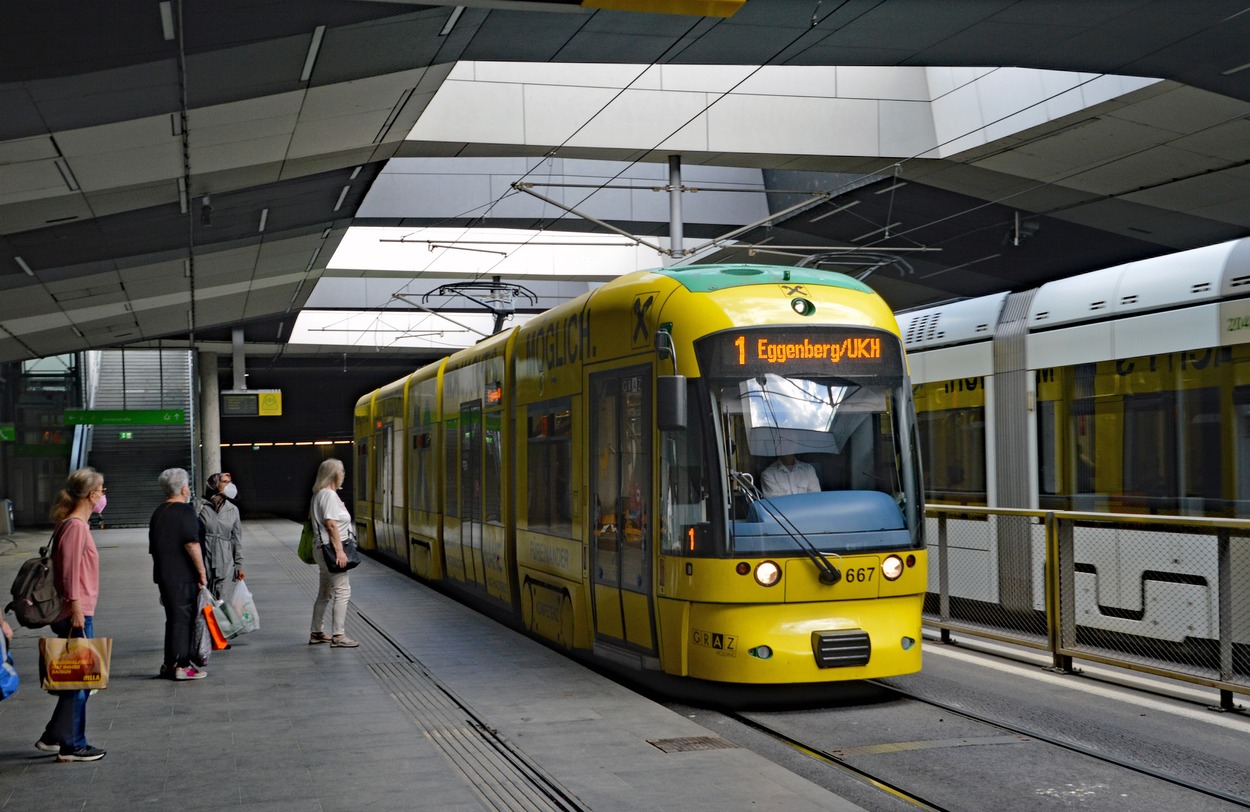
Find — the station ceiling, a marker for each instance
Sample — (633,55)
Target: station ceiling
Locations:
(175,169)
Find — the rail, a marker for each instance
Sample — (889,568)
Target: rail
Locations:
(1164,595)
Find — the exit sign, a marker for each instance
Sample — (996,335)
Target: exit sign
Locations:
(125,435)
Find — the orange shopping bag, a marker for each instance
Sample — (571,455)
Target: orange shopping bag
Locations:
(214,628)
(74,663)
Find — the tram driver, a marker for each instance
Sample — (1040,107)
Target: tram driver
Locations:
(787,474)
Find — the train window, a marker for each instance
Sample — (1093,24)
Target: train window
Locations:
(620,457)
(471,461)
(950,417)
(1203,452)
(492,467)
(844,431)
(451,447)
(549,465)
(362,470)
(1143,434)
(424,475)
(685,499)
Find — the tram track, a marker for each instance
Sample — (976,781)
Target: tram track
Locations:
(831,759)
(902,789)
(1070,746)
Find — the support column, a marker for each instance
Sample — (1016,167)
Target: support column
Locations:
(675,237)
(210,414)
(240,374)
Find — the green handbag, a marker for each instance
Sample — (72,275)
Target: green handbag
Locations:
(306,543)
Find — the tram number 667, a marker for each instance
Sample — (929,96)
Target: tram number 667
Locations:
(859,575)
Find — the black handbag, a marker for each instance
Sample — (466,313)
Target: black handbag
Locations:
(331,557)
(349,548)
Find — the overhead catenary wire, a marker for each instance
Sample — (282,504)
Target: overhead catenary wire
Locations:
(895,165)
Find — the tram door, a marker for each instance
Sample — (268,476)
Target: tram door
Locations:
(384,495)
(620,474)
(471,492)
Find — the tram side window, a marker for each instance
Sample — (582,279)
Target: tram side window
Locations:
(685,525)
(424,475)
(950,421)
(493,465)
(451,447)
(549,466)
(953,455)
(362,470)
(1149,462)
(1203,452)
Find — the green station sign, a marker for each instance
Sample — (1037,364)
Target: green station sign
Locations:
(125,417)
(8,433)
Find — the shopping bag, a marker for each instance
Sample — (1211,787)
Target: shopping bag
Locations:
(228,620)
(242,604)
(213,636)
(306,543)
(8,674)
(74,663)
(201,639)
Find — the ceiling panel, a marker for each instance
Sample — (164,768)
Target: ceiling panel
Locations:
(100,82)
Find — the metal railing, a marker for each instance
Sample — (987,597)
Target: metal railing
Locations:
(1164,595)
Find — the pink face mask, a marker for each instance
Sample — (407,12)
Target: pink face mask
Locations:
(98,506)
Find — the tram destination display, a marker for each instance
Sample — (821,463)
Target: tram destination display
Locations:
(838,351)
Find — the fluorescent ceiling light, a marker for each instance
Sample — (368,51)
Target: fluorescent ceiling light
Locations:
(264,218)
(22,263)
(451,21)
(1237,69)
(167,20)
(313,48)
(342,195)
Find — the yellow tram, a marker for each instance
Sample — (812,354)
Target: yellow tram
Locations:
(601,475)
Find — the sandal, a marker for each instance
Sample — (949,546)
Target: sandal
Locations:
(342,641)
(318,637)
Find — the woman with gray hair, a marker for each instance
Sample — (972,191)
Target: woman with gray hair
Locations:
(333,523)
(178,570)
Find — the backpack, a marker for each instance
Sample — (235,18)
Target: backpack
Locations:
(36,603)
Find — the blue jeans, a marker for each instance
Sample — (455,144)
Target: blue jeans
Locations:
(68,725)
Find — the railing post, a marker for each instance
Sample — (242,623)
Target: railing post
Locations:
(1225,608)
(944,592)
(1061,583)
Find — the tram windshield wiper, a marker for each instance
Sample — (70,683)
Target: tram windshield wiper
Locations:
(829,574)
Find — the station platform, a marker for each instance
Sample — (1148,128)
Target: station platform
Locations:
(439,708)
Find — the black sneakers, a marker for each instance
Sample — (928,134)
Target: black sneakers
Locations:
(87,753)
(47,746)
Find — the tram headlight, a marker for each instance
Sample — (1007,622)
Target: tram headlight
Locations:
(892,567)
(767,573)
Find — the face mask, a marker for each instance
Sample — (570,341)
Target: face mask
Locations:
(230,491)
(98,507)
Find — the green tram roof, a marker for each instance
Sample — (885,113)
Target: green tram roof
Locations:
(708,278)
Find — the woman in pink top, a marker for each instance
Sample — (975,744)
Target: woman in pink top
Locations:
(76,571)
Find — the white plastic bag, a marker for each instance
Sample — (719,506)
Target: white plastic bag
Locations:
(244,607)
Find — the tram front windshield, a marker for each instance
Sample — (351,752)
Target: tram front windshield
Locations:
(815,453)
